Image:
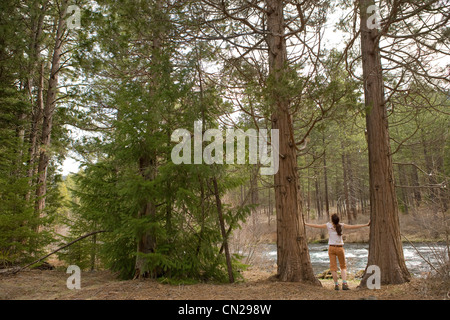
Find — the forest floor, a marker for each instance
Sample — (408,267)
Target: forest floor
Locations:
(257,285)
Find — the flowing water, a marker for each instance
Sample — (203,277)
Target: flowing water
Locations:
(356,256)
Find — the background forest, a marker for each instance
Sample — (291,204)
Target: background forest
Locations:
(107,82)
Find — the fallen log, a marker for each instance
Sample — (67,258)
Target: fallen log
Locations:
(15,270)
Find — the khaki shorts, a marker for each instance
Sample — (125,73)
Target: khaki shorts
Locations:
(338,252)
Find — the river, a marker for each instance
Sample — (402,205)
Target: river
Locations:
(356,255)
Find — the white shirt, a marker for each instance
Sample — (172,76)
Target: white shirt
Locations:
(333,237)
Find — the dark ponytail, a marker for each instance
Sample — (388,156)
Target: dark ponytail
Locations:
(337,226)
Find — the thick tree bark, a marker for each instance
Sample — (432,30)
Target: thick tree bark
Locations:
(48,111)
(36,70)
(147,242)
(292,248)
(385,246)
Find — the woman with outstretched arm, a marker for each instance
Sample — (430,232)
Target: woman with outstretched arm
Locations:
(336,247)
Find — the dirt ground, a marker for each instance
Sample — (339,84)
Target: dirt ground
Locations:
(103,285)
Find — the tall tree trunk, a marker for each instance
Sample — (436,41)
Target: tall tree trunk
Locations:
(201,181)
(36,122)
(308,200)
(404,191)
(48,111)
(318,204)
(94,248)
(337,184)
(351,188)
(254,189)
(147,240)
(325,180)
(20,133)
(361,198)
(203,213)
(36,69)
(269,213)
(431,172)
(385,246)
(292,248)
(415,182)
(346,187)
(223,231)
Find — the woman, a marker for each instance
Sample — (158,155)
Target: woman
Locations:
(336,247)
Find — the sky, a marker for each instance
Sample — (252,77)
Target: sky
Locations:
(70,165)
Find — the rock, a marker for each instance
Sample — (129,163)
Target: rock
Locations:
(325,275)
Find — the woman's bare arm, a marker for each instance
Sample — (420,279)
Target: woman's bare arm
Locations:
(320,226)
(356,226)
